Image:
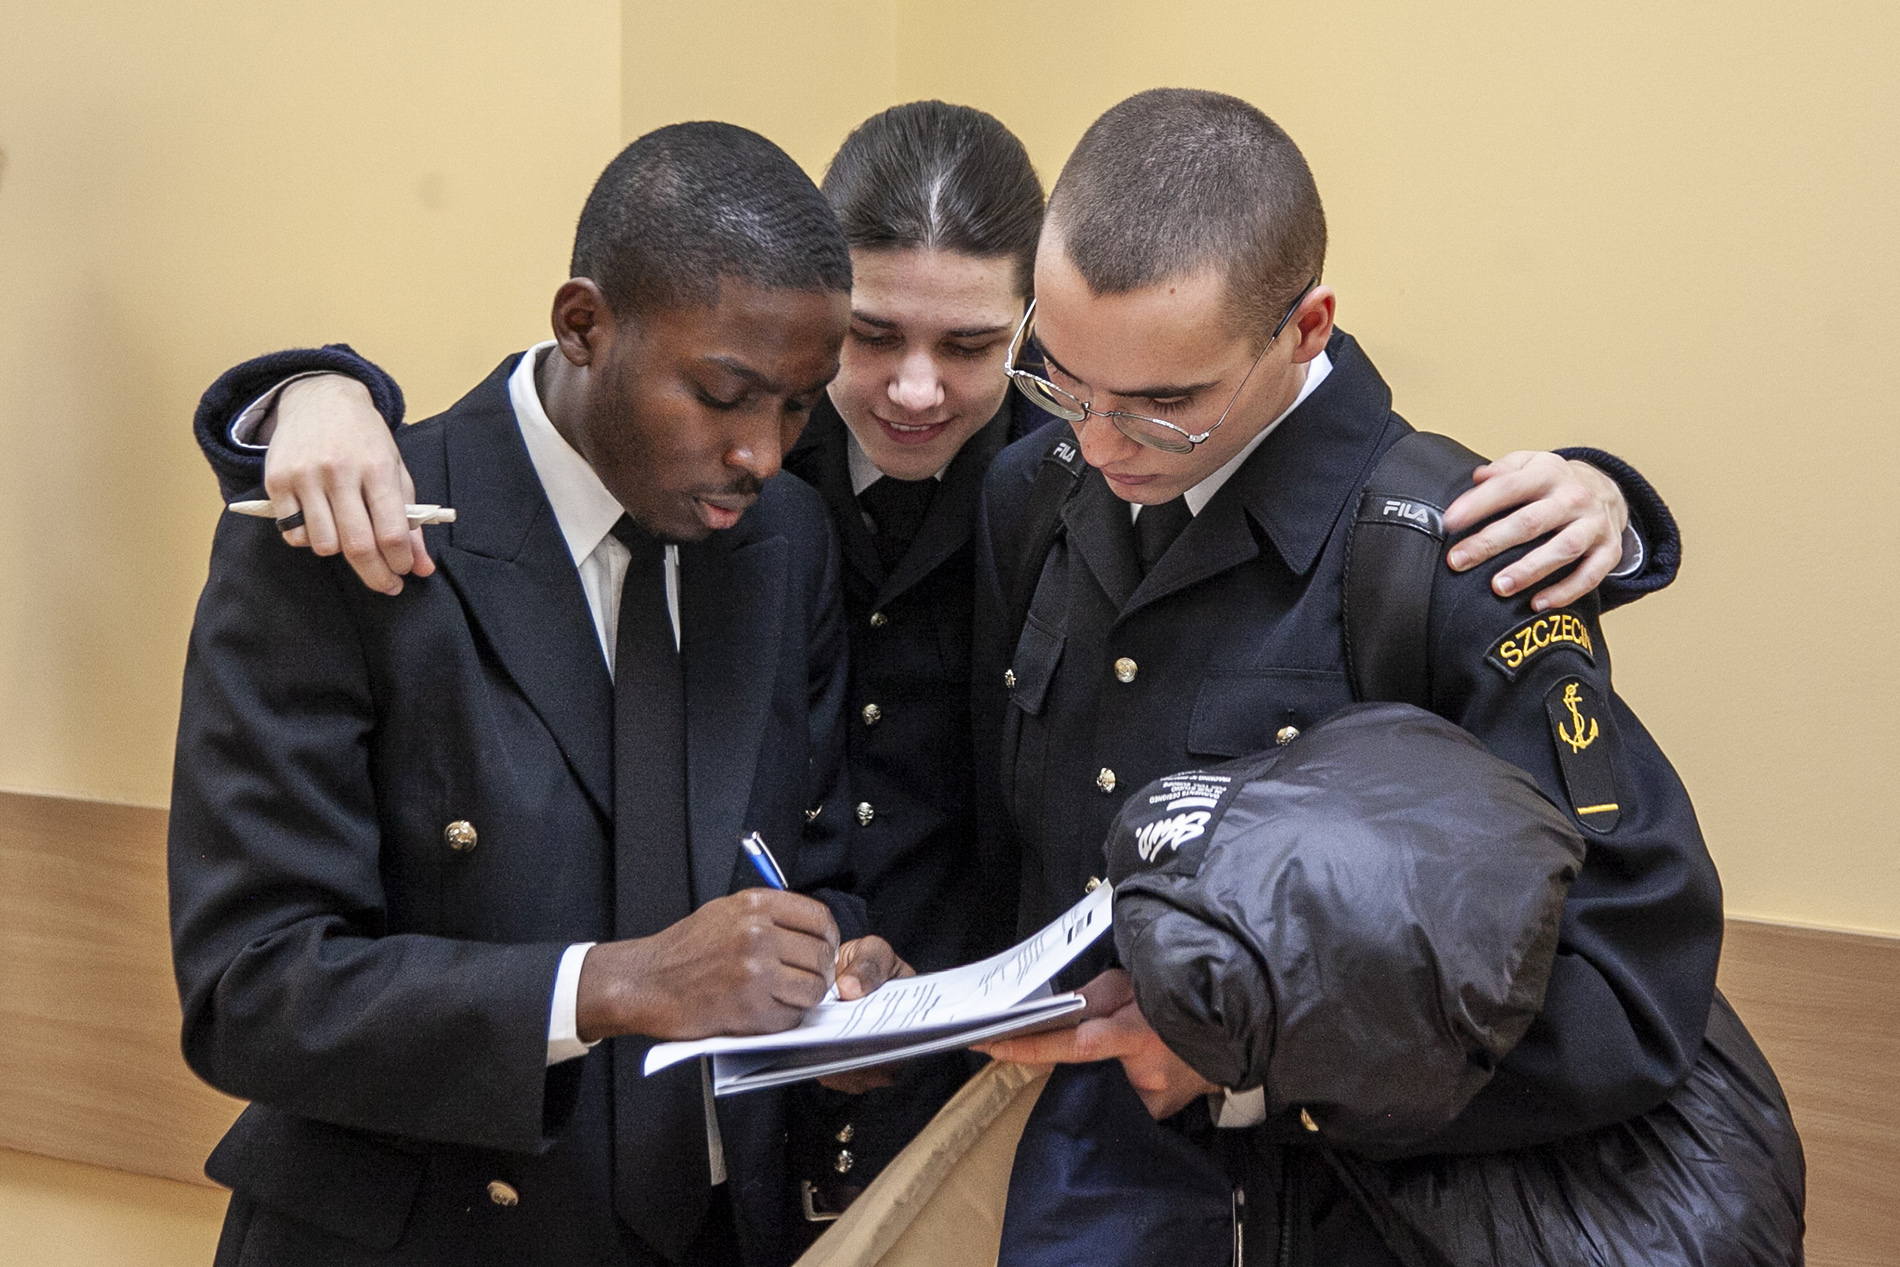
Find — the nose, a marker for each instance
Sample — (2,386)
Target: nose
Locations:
(1101,442)
(757,450)
(916,387)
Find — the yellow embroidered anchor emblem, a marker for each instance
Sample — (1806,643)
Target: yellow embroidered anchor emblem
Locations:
(1577,738)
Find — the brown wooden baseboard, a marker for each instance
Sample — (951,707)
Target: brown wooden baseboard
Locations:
(89,1061)
(1825,1007)
(90,1069)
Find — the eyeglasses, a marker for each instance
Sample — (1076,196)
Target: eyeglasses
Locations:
(1156,433)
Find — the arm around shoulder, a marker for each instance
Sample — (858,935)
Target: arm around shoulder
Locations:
(240,468)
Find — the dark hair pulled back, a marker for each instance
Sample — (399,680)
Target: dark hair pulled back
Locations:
(943,177)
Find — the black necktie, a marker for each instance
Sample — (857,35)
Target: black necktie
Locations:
(662,1179)
(1156,527)
(897,507)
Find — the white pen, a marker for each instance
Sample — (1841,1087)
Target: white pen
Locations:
(422,513)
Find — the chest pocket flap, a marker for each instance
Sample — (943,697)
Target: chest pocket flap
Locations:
(1038,652)
(1243,711)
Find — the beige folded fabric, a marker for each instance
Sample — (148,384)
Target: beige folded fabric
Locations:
(940,1201)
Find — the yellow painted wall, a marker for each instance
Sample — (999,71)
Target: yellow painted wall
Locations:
(1671,230)
(1634,225)
(185,185)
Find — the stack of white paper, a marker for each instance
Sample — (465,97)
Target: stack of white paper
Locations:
(914,1016)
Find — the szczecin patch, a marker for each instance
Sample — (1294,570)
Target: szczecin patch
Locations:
(1580,727)
(1559,629)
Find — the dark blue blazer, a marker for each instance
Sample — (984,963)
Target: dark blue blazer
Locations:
(381,997)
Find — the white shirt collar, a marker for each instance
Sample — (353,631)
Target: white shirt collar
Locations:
(1202,493)
(584,509)
(864,472)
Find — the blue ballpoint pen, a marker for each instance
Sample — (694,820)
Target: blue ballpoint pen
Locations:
(763,862)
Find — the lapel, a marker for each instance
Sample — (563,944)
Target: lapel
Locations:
(952,515)
(732,612)
(1294,487)
(820,459)
(509,563)
(1101,532)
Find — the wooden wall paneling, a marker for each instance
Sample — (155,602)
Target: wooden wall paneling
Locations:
(1825,1007)
(90,1068)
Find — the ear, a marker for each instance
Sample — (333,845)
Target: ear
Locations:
(1312,323)
(583,323)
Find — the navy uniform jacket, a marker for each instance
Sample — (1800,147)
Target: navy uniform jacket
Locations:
(382,996)
(1236,635)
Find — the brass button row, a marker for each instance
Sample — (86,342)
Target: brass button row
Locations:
(460,834)
(872,714)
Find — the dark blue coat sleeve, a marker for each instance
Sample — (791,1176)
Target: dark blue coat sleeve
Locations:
(1649,515)
(1629,994)
(239,470)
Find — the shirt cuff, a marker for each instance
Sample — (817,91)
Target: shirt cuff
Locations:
(1234,1109)
(1633,554)
(564,1041)
(250,419)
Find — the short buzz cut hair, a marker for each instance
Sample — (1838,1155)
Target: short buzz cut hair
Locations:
(692,204)
(1174,179)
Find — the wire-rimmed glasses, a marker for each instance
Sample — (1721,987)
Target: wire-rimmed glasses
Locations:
(1156,433)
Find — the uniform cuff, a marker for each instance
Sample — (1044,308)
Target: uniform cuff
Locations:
(564,1041)
(250,419)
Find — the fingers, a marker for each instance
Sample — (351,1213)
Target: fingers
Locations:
(383,495)
(866,964)
(1585,577)
(1561,550)
(858,1081)
(1108,993)
(418,549)
(1058,1047)
(358,537)
(796,912)
(1497,486)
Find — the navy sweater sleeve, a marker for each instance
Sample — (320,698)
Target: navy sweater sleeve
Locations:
(1649,515)
(240,470)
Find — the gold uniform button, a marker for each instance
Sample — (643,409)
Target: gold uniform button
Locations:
(872,714)
(844,1161)
(865,813)
(845,1133)
(1009,678)
(1125,670)
(1105,780)
(460,834)
(811,815)
(1286,735)
(879,620)
(503,1194)
(1095,882)
(1306,1120)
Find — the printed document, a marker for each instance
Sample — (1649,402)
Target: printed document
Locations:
(1003,995)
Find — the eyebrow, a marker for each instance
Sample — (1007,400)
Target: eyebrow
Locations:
(960,332)
(764,382)
(1159,391)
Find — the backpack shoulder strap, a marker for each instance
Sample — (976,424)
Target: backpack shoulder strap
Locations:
(1392,561)
(1057,478)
